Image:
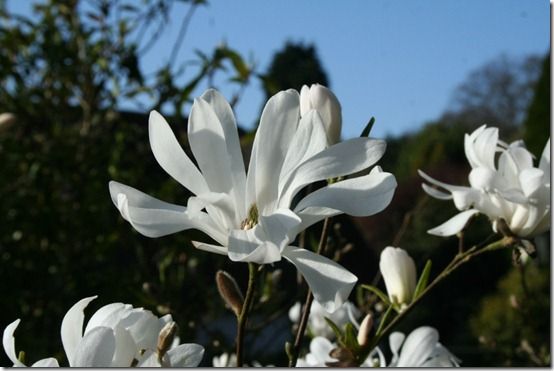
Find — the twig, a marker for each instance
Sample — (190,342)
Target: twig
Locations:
(241,320)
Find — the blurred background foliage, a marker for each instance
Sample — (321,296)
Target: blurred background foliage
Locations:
(66,71)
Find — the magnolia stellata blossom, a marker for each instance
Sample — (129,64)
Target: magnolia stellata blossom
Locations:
(510,188)
(318,97)
(420,349)
(318,356)
(255,217)
(317,326)
(399,273)
(117,335)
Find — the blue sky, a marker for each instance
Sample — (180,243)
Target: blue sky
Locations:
(396,60)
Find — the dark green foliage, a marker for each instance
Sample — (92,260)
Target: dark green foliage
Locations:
(537,122)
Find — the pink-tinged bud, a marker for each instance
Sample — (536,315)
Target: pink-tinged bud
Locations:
(165,339)
(318,97)
(229,291)
(365,330)
(399,273)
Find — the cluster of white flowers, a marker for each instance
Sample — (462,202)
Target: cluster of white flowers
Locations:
(510,188)
(252,216)
(117,335)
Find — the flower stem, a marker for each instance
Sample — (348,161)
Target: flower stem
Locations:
(241,319)
(293,357)
(459,259)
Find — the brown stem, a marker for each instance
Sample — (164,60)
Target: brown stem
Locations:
(241,320)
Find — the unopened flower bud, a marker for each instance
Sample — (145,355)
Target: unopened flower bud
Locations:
(165,338)
(318,97)
(229,291)
(399,273)
(365,330)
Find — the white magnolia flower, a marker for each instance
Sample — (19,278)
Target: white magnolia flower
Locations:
(252,217)
(399,273)
(317,326)
(320,348)
(420,349)
(318,97)
(510,188)
(117,335)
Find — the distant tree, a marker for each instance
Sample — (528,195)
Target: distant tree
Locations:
(497,93)
(537,123)
(292,67)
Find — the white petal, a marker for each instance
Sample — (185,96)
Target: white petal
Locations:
(72,328)
(433,192)
(531,180)
(399,273)
(155,218)
(341,159)
(145,330)
(46,362)
(454,224)
(171,157)
(309,139)
(280,227)
(544,163)
(362,196)
(277,128)
(8,341)
(223,111)
(210,248)
(149,359)
(312,215)
(320,347)
(207,142)
(395,342)
(185,355)
(96,349)
(107,316)
(480,147)
(246,246)
(125,348)
(330,282)
(419,345)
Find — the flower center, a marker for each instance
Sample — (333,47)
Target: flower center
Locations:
(252,219)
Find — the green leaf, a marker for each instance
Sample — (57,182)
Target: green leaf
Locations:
(367,129)
(350,340)
(423,279)
(384,298)
(334,327)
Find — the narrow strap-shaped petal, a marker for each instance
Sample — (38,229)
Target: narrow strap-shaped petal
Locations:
(46,362)
(96,349)
(544,163)
(330,282)
(480,147)
(207,142)
(341,159)
(252,246)
(125,348)
(278,126)
(185,355)
(454,224)
(72,328)
(155,218)
(171,157)
(531,181)
(310,138)
(106,316)
(210,248)
(280,227)
(8,341)
(320,348)
(395,342)
(418,347)
(435,193)
(362,196)
(224,113)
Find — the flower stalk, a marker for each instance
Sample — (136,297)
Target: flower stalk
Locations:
(243,316)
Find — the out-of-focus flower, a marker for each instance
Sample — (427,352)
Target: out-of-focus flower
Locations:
(318,97)
(117,335)
(252,217)
(420,349)
(7,120)
(399,273)
(317,326)
(511,188)
(320,348)
(230,360)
